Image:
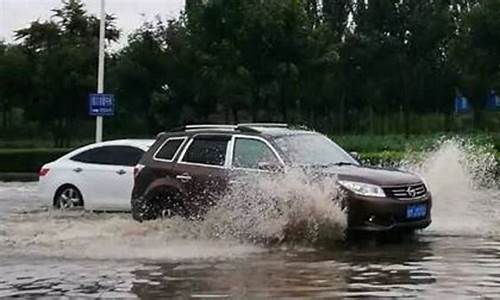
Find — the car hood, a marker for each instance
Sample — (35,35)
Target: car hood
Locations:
(373,175)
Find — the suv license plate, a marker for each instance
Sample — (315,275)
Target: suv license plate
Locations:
(416,211)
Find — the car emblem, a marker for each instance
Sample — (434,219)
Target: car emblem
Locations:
(411,192)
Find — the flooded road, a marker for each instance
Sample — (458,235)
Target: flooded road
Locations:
(82,254)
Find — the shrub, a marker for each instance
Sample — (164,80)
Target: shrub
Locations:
(27,160)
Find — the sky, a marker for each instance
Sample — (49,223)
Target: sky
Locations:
(16,14)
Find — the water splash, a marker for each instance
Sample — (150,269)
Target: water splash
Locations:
(269,210)
(461,176)
(102,236)
(294,208)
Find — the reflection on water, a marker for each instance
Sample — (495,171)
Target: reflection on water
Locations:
(427,266)
(79,254)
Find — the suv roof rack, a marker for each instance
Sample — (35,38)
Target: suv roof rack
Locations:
(246,127)
(203,127)
(209,126)
(266,125)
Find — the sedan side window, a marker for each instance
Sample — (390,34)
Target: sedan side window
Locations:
(110,155)
(249,153)
(207,150)
(126,156)
(94,156)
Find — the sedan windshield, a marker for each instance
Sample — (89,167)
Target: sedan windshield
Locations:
(312,149)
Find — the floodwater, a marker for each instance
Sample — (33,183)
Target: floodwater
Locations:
(80,254)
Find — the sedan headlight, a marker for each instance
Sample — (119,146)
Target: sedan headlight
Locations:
(363,189)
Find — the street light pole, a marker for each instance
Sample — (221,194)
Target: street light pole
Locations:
(100,72)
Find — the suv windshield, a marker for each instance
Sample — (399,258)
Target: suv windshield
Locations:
(312,149)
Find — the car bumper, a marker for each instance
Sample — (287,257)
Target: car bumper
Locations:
(45,191)
(386,214)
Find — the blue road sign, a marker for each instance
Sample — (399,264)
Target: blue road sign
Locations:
(101,105)
(462,105)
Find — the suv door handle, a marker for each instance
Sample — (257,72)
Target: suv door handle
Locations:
(77,170)
(184,177)
(121,172)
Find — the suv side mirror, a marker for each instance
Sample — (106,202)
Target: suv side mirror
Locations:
(355,155)
(272,167)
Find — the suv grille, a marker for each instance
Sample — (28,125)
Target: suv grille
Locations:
(408,192)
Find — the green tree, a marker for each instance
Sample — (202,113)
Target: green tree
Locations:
(476,52)
(14,80)
(63,54)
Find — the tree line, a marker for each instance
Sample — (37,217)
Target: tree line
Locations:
(336,65)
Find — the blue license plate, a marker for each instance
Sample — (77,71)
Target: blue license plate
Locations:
(416,211)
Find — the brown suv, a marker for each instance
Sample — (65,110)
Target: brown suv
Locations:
(188,169)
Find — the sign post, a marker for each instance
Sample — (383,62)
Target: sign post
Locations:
(100,72)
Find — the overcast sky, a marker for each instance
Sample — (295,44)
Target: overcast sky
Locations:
(16,14)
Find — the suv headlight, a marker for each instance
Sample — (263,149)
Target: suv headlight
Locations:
(363,189)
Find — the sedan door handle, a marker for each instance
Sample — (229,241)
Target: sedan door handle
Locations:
(77,170)
(121,172)
(184,178)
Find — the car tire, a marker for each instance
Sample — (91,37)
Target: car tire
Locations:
(68,197)
(159,203)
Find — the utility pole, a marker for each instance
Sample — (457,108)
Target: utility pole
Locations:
(100,72)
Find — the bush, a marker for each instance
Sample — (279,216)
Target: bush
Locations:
(27,160)
(379,152)
(383,143)
(399,143)
(382,158)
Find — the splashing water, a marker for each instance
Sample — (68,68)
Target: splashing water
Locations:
(102,236)
(461,177)
(290,208)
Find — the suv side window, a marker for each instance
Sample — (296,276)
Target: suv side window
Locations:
(248,153)
(207,150)
(169,149)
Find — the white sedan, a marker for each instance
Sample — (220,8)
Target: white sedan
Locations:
(98,176)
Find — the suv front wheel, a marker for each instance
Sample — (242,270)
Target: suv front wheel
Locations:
(160,203)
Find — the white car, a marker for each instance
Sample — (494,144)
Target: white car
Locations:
(98,176)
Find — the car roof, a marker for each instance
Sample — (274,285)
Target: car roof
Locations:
(260,129)
(143,144)
(275,132)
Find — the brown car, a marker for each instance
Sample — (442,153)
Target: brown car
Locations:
(188,169)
